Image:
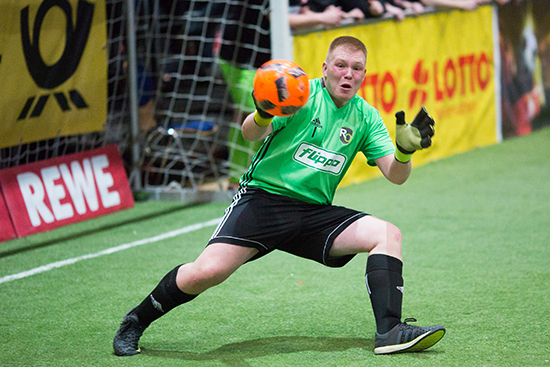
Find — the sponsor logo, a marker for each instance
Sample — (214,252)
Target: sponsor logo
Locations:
(345,135)
(316,122)
(320,159)
(367,283)
(443,79)
(48,194)
(80,181)
(156,304)
(48,76)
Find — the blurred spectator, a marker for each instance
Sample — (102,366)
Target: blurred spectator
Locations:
(301,17)
(368,8)
(396,9)
(524,30)
(413,6)
(393,11)
(456,4)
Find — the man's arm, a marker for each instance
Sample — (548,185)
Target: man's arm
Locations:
(252,131)
(331,17)
(459,4)
(257,125)
(395,171)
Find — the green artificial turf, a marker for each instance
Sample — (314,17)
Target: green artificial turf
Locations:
(476,247)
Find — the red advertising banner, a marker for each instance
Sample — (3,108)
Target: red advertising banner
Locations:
(6,227)
(48,194)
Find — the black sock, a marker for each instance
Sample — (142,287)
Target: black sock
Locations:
(385,286)
(162,299)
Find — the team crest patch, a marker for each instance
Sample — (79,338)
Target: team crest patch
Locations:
(345,135)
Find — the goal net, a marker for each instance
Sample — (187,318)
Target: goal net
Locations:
(194,62)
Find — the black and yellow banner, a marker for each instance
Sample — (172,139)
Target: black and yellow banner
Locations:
(444,61)
(53,69)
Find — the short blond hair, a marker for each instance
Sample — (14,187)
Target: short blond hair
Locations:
(352,43)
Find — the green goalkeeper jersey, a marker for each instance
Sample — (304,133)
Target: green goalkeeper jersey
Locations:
(308,153)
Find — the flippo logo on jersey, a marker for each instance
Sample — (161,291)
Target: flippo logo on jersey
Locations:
(320,159)
(345,135)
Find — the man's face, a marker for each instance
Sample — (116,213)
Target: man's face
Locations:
(344,71)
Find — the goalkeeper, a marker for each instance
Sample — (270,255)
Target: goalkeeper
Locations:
(284,203)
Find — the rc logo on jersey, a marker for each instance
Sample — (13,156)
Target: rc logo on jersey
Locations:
(319,158)
(345,135)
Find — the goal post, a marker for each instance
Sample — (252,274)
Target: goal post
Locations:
(281,37)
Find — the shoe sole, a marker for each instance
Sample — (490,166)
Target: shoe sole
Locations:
(422,342)
(127,354)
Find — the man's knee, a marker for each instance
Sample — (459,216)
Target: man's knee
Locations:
(393,241)
(394,235)
(202,276)
(385,239)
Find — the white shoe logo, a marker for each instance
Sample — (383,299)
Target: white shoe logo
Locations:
(400,288)
(367,283)
(156,304)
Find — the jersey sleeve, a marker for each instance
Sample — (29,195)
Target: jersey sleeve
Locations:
(378,143)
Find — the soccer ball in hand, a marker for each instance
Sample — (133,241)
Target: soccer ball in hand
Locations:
(281,87)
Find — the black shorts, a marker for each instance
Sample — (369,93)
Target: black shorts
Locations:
(270,222)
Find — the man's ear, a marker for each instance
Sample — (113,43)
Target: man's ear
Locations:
(325,67)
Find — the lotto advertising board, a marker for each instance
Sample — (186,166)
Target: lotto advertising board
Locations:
(48,194)
(443,61)
(53,69)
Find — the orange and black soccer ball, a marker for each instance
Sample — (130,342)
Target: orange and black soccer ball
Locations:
(281,87)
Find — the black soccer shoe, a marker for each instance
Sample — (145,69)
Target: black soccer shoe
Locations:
(127,337)
(407,338)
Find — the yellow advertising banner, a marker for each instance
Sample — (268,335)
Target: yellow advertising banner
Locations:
(443,61)
(53,69)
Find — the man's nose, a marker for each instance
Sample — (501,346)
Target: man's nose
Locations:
(348,73)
